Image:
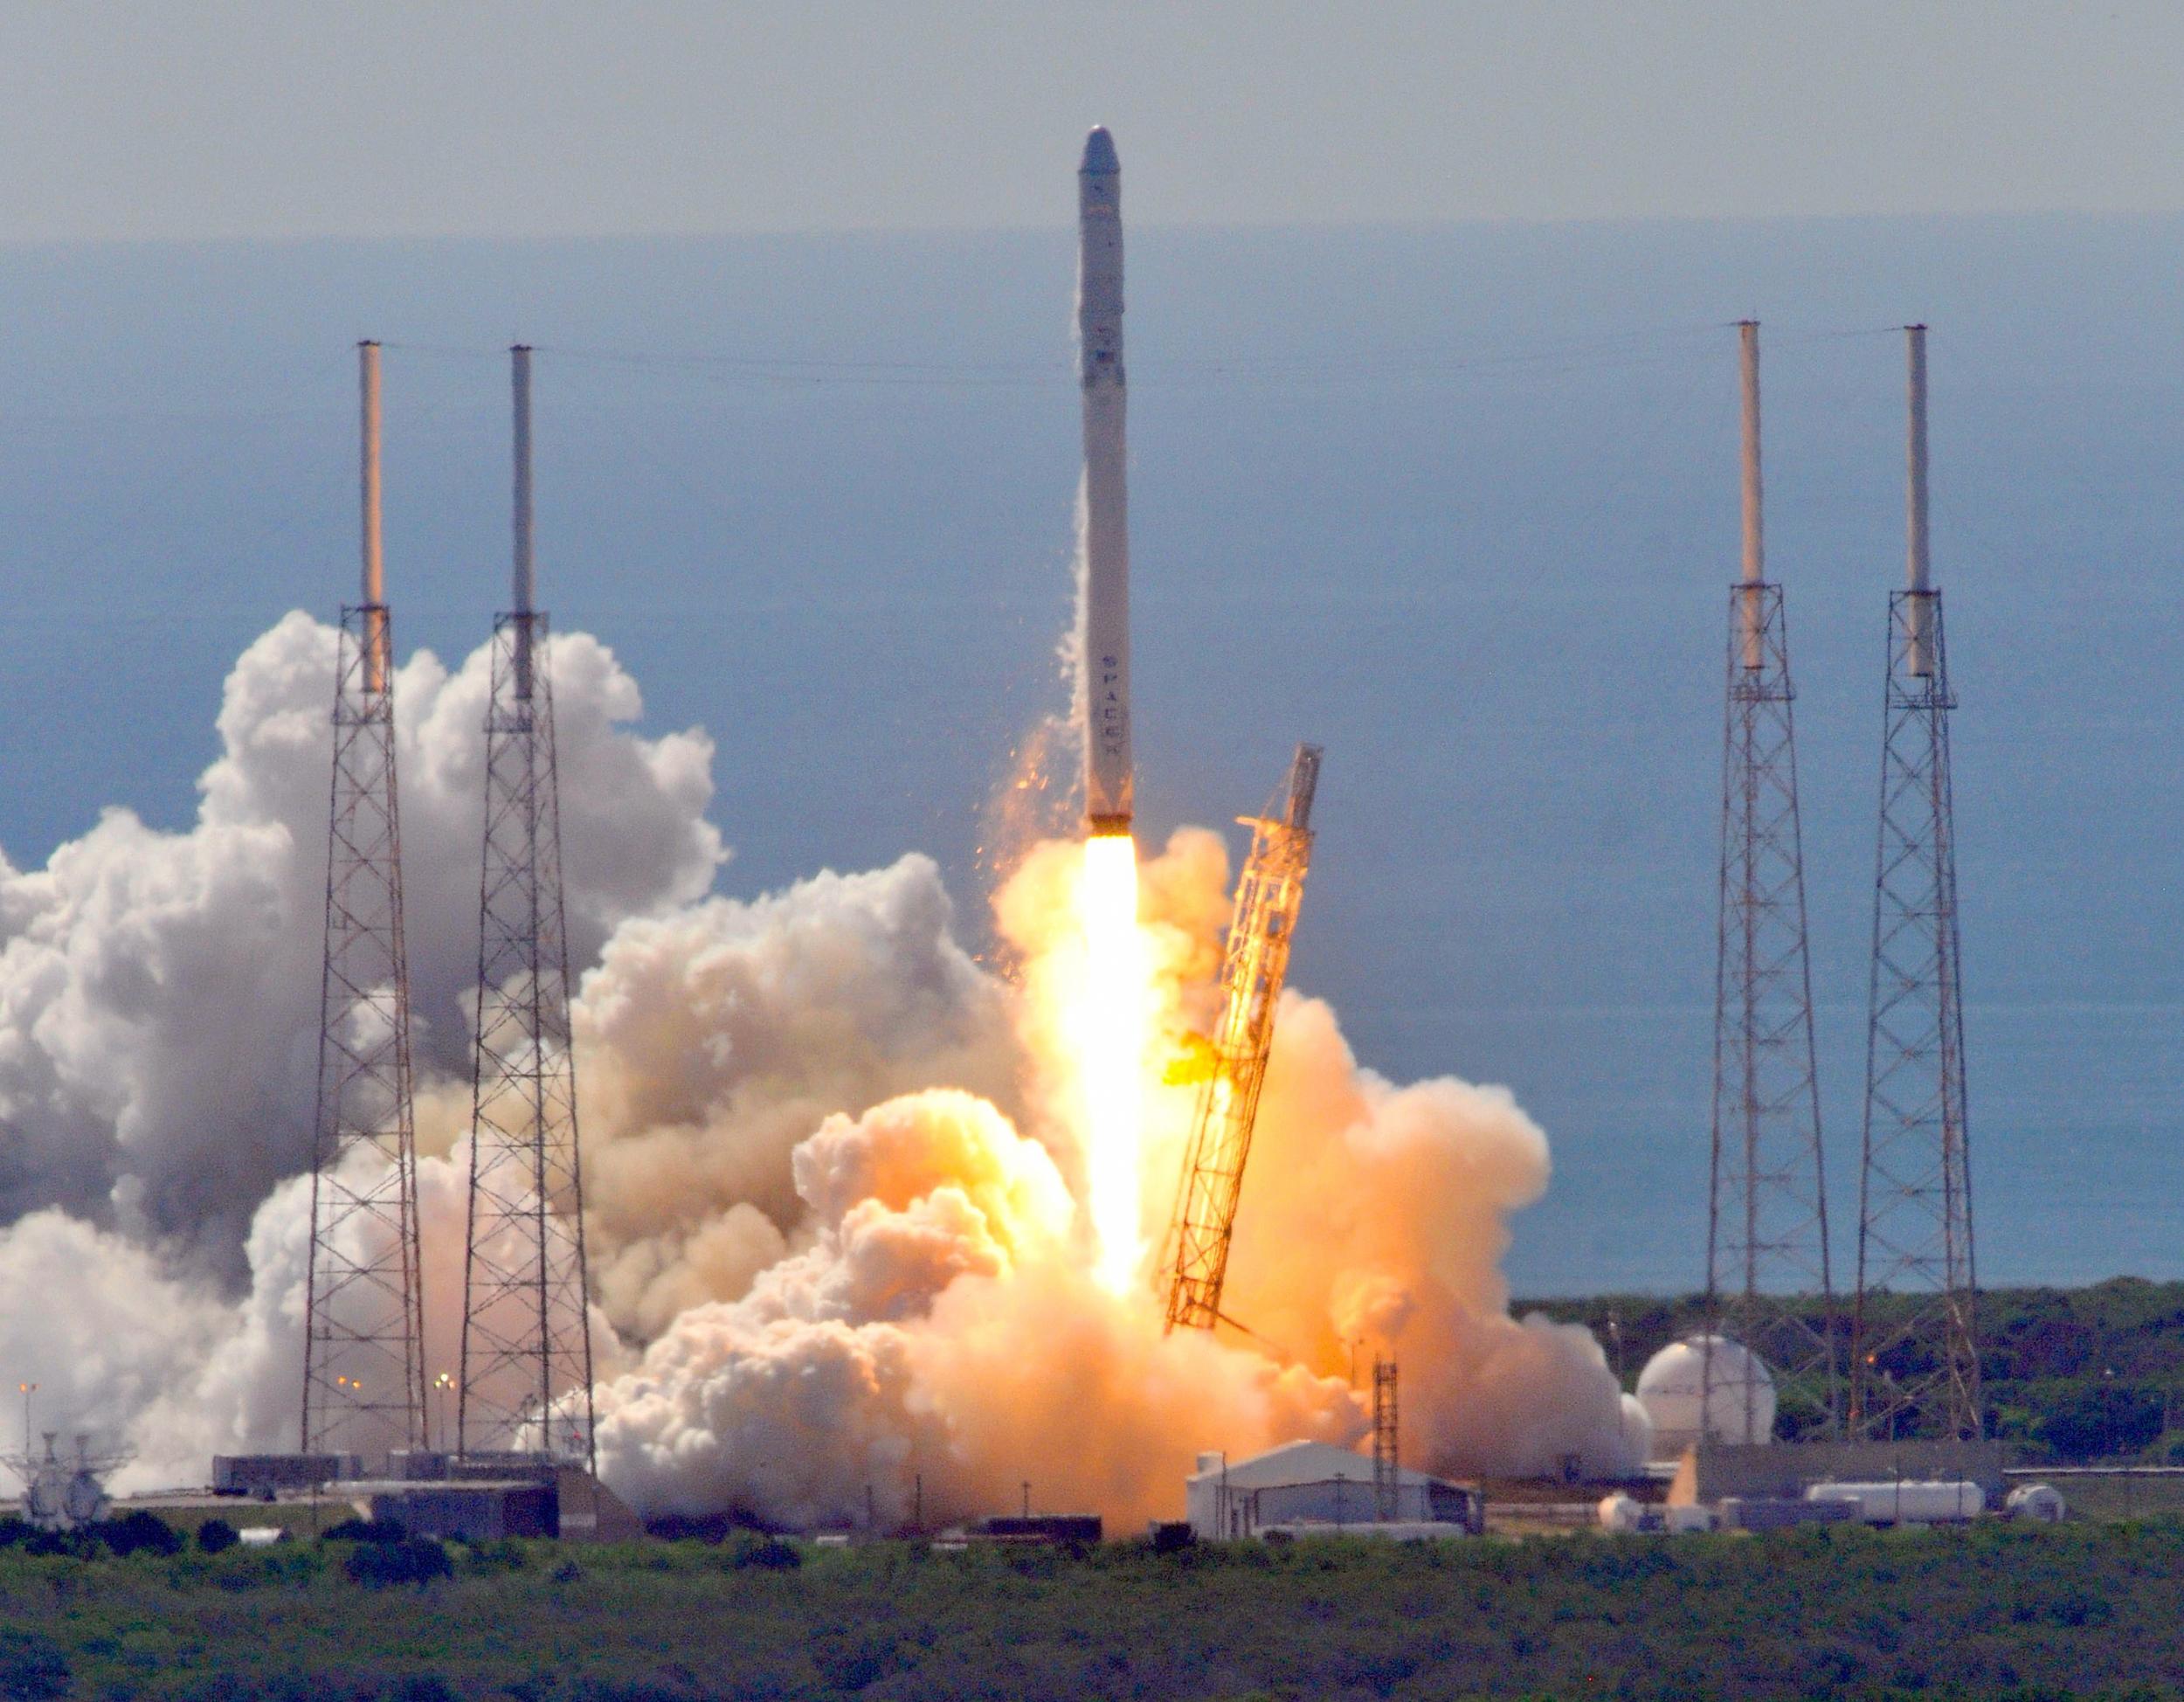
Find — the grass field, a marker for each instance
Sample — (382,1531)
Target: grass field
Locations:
(2087,1608)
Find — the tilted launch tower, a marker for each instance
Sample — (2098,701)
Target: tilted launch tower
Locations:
(1253,965)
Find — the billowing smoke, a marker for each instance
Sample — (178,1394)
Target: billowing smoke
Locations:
(831,1178)
(159,991)
(935,1326)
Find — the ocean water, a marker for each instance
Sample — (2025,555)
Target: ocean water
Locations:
(1458,503)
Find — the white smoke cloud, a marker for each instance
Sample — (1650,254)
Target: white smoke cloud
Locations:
(831,1174)
(159,991)
(713,1040)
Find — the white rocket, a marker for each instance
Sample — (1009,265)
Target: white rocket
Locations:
(1104,635)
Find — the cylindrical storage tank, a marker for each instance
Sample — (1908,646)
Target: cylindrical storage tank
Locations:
(1739,1407)
(1911,1501)
(1620,1513)
(2040,1502)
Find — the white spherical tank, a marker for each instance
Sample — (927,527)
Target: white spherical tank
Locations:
(1620,1513)
(1637,1427)
(1739,1407)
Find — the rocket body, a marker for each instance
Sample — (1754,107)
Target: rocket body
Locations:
(1104,636)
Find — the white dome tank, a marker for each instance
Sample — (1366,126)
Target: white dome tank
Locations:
(1637,1431)
(1620,1514)
(1669,1390)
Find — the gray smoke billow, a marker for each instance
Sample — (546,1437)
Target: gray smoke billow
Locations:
(830,1175)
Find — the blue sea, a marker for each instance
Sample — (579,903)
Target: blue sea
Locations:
(1458,503)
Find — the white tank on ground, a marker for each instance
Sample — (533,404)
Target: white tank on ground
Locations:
(1909,1502)
(2041,1502)
(1620,1513)
(1739,1408)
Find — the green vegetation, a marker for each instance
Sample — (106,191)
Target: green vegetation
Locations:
(2068,1374)
(1995,1610)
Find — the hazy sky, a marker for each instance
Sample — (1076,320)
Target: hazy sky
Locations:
(159,119)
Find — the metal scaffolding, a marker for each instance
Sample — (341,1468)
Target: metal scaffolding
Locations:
(1915,1363)
(363,1328)
(1768,1285)
(1252,968)
(364,1368)
(1386,1441)
(526,1377)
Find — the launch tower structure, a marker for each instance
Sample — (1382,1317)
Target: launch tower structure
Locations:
(1914,1361)
(364,1337)
(1386,1441)
(526,1378)
(1253,965)
(1767,1252)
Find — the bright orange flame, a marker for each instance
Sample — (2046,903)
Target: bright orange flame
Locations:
(1110,1022)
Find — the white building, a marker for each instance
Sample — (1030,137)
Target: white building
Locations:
(1316,1483)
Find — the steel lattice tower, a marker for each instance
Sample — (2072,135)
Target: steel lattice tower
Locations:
(1254,964)
(1915,1362)
(1767,1211)
(364,1368)
(526,1378)
(1387,1477)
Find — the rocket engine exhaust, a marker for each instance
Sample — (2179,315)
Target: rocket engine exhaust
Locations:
(1108,802)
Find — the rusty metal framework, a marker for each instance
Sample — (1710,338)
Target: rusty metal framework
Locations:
(1766,1256)
(1386,1439)
(1915,1362)
(526,1378)
(1253,965)
(363,1367)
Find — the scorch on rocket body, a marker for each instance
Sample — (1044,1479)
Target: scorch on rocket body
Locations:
(1105,633)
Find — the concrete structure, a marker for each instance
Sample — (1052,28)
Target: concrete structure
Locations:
(1707,1475)
(475,1513)
(266,1475)
(1052,1528)
(1317,1485)
(538,1500)
(1775,1512)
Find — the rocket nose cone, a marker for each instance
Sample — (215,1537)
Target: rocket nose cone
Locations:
(1099,151)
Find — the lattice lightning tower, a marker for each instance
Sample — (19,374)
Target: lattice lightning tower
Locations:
(1252,968)
(1915,1361)
(1386,1441)
(364,1368)
(526,1378)
(1767,1215)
